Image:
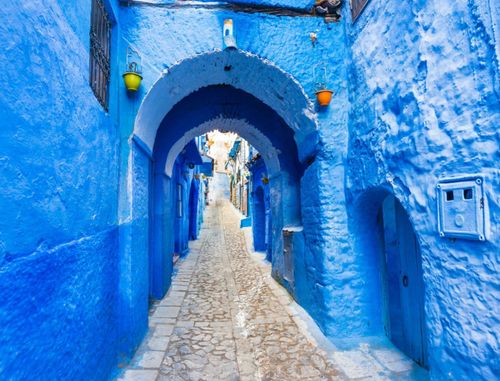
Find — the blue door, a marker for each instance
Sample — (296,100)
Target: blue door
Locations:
(193,210)
(404,288)
(259,220)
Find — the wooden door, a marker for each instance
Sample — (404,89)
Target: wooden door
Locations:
(404,286)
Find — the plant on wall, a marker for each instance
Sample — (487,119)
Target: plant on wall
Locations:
(323,94)
(133,70)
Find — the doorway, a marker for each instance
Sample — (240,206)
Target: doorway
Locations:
(403,287)
(193,210)
(259,221)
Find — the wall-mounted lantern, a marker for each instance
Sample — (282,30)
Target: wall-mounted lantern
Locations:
(132,76)
(323,94)
(228,35)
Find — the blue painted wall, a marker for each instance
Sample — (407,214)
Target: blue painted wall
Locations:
(425,105)
(415,99)
(59,259)
(187,223)
(298,4)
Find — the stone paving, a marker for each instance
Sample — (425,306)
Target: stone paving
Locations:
(225,318)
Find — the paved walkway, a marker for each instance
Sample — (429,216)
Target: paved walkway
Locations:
(225,318)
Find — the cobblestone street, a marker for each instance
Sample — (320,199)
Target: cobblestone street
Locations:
(225,318)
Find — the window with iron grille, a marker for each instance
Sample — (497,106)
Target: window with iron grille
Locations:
(100,31)
(357,7)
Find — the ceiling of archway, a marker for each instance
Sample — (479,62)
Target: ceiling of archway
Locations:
(226,108)
(248,132)
(244,71)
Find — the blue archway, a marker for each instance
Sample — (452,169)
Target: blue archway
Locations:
(390,258)
(227,108)
(218,90)
(240,70)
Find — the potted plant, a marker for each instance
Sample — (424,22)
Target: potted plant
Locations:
(323,94)
(132,77)
(265,180)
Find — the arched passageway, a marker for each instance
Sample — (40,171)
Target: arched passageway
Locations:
(224,107)
(194,206)
(271,112)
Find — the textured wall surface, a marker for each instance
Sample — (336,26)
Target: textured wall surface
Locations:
(58,199)
(415,99)
(425,105)
(298,4)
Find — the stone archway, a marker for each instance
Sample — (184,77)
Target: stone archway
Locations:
(207,109)
(162,128)
(242,70)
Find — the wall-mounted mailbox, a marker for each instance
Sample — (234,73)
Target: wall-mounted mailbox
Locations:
(461,208)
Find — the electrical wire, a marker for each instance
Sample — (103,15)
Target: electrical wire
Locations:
(235,7)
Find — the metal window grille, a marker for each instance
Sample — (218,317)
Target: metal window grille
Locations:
(357,7)
(100,31)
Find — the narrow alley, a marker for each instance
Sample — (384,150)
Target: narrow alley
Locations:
(236,190)
(225,318)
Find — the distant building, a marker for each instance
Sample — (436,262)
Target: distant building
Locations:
(218,146)
(249,192)
(239,175)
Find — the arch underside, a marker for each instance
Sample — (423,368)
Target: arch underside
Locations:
(228,109)
(240,70)
(238,126)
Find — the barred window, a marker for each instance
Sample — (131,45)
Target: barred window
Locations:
(357,7)
(100,31)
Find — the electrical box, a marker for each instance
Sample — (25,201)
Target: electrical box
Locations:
(462,208)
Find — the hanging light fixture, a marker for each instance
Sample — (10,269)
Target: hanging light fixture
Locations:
(228,35)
